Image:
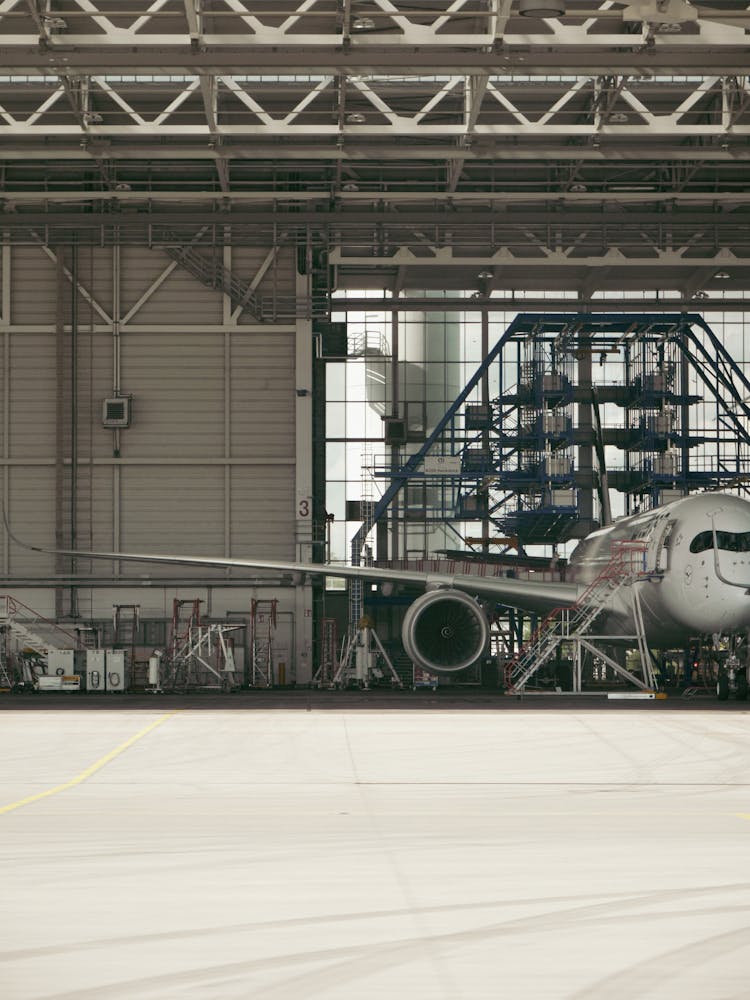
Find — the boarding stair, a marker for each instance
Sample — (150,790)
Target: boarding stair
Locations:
(566,624)
(33,636)
(33,631)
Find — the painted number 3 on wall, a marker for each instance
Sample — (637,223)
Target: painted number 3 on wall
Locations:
(304,508)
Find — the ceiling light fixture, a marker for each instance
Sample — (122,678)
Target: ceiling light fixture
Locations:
(722,275)
(618,117)
(356,118)
(363,24)
(54,23)
(541,8)
(578,188)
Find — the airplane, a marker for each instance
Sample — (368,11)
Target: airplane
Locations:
(693,580)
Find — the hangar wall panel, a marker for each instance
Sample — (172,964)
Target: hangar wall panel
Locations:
(178,387)
(95,362)
(31,511)
(173,508)
(263,392)
(208,463)
(95,509)
(33,291)
(96,275)
(262,504)
(179,297)
(33,388)
(33,396)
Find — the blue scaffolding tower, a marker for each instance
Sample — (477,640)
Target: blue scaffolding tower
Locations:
(528,463)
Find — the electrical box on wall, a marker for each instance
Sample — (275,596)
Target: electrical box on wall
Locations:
(395,430)
(116,411)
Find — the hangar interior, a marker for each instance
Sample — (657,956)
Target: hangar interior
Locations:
(350,280)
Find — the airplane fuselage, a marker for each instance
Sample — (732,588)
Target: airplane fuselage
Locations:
(687,584)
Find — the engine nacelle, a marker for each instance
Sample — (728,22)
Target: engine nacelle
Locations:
(445,631)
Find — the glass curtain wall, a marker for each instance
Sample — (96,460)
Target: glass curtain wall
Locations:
(412,366)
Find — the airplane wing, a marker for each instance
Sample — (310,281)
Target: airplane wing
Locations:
(530,595)
(537,596)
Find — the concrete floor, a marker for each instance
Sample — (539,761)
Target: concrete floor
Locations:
(218,853)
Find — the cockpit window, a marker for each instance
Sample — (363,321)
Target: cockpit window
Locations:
(732,541)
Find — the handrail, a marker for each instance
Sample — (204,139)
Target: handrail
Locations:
(12,606)
(611,572)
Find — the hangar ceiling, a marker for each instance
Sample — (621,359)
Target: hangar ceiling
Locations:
(437,145)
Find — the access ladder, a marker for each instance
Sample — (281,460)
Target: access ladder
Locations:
(263,629)
(329,641)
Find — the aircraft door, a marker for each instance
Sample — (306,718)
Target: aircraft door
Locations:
(663,547)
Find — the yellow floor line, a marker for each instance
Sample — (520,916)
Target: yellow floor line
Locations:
(89,770)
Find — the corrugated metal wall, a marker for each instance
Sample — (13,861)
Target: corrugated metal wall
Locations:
(179,298)
(178,386)
(208,465)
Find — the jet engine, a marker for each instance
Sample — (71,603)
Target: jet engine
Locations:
(445,631)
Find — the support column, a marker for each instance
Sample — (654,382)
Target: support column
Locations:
(585,468)
(73,606)
(116,388)
(684,411)
(303,619)
(60,562)
(228,322)
(483,492)
(394,513)
(5,319)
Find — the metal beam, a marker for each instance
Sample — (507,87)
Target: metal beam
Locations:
(431,219)
(540,56)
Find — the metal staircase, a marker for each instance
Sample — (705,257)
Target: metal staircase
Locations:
(33,637)
(571,624)
(213,274)
(33,631)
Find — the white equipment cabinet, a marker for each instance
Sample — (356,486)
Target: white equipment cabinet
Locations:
(115,672)
(105,670)
(61,662)
(95,669)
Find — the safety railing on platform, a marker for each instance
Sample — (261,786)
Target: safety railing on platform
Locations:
(626,564)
